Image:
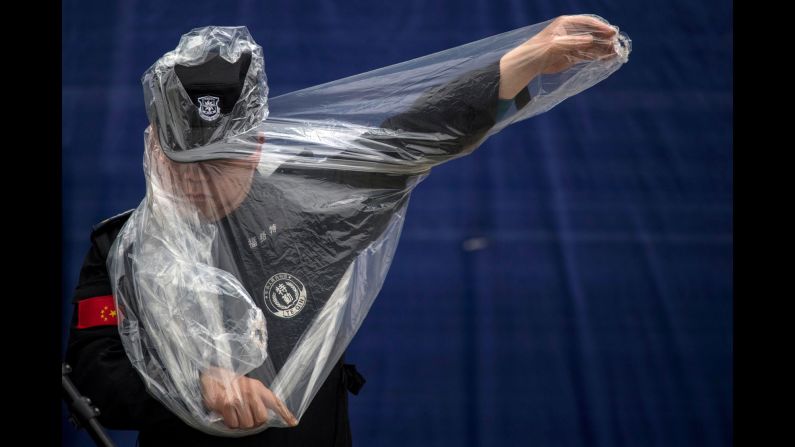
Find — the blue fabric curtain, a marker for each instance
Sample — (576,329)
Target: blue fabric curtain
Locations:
(568,284)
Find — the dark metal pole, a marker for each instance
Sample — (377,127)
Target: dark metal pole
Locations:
(83,414)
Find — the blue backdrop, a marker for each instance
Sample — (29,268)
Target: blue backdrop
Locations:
(569,283)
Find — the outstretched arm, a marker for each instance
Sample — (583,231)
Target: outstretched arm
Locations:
(447,121)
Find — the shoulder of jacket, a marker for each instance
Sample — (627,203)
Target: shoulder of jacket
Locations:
(111,222)
(105,232)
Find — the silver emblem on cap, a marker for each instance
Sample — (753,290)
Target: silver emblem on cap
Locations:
(208,108)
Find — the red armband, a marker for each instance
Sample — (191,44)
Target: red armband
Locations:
(96,311)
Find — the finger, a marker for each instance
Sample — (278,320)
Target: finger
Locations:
(572,43)
(605,47)
(608,32)
(259,411)
(597,51)
(594,25)
(572,48)
(589,25)
(587,47)
(584,56)
(209,393)
(244,415)
(603,30)
(278,406)
(230,416)
(608,50)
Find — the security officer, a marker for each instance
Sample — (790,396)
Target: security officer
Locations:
(101,369)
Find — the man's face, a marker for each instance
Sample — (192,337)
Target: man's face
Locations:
(214,187)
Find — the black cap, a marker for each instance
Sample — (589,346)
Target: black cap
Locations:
(207,93)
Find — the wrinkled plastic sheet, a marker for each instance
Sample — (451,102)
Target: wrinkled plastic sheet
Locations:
(269,225)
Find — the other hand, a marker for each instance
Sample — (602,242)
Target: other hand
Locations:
(242,401)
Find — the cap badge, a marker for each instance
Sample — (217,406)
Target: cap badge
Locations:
(208,108)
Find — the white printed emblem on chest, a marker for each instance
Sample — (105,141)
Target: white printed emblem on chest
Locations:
(285,295)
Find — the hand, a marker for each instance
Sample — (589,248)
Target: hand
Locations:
(242,401)
(566,41)
(572,39)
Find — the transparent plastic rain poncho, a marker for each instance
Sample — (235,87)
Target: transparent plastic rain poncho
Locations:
(269,225)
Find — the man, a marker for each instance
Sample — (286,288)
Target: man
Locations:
(191,107)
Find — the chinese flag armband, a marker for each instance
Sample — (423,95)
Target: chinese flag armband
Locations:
(96,311)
